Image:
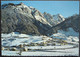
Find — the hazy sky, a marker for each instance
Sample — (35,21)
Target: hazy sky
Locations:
(65,8)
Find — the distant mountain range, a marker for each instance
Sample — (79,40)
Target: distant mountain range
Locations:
(54,19)
(27,19)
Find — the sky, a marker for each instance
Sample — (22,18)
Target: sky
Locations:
(65,8)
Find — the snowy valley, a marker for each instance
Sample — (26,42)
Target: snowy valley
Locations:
(59,44)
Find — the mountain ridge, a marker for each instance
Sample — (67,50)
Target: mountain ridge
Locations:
(25,19)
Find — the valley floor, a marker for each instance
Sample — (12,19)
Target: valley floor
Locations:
(58,44)
(53,52)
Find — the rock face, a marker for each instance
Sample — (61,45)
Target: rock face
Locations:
(23,19)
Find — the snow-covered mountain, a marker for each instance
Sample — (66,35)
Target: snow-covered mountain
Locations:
(54,19)
(49,18)
(38,15)
(28,20)
(58,18)
(26,10)
(22,18)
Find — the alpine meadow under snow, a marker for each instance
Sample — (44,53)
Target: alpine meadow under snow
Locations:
(25,31)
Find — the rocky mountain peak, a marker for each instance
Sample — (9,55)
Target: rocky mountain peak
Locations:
(54,19)
(13,5)
(58,18)
(49,18)
(44,13)
(61,16)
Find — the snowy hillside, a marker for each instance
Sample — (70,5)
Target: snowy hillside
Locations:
(17,39)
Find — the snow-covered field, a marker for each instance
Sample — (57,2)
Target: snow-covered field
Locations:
(42,45)
(67,52)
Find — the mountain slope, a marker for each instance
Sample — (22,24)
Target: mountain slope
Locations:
(19,17)
(72,22)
